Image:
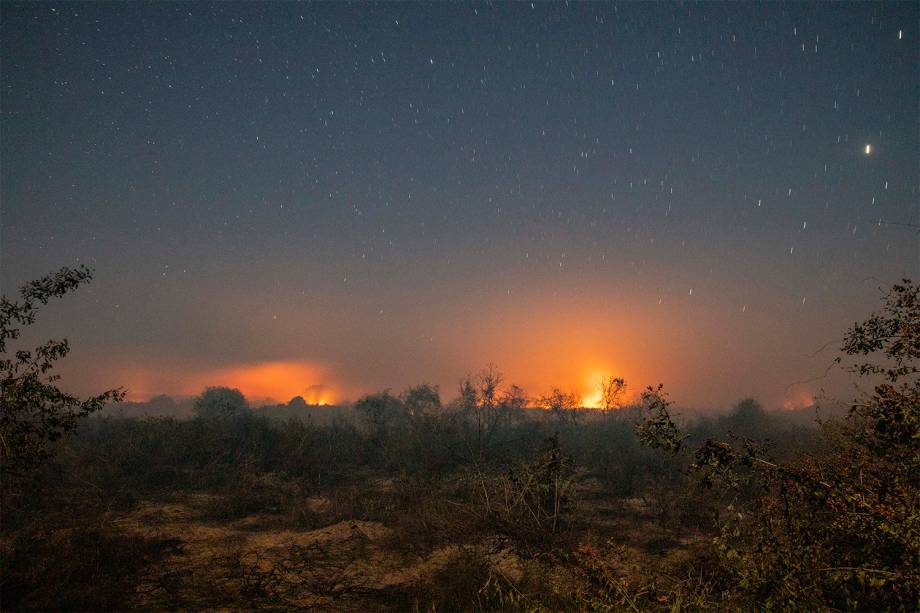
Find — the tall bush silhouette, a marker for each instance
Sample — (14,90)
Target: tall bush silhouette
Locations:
(33,410)
(839,528)
(221,403)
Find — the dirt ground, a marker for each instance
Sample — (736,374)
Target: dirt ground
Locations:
(362,565)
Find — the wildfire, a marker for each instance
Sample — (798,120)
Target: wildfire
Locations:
(592,396)
(798,400)
(276,380)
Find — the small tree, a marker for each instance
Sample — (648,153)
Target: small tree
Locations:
(513,401)
(561,404)
(221,403)
(383,411)
(887,345)
(612,390)
(479,400)
(34,412)
(747,418)
(422,400)
(656,429)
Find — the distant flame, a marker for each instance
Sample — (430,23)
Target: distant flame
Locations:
(798,401)
(277,380)
(592,397)
(592,401)
(318,394)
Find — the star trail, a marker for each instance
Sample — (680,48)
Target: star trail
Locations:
(345,197)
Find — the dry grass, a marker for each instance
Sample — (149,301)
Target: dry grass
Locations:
(390,544)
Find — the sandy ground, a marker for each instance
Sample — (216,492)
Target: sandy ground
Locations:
(259,561)
(250,562)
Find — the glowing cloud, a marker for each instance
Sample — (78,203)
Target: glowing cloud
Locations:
(798,400)
(275,380)
(278,381)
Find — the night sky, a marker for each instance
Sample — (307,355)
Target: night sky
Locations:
(330,199)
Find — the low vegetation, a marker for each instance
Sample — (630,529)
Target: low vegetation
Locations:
(491,501)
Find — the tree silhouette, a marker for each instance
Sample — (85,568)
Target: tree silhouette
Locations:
(837,529)
(422,400)
(221,403)
(564,405)
(33,411)
(612,389)
(383,412)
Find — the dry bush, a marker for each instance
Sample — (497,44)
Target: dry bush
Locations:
(837,529)
(467,583)
(614,577)
(532,502)
(84,567)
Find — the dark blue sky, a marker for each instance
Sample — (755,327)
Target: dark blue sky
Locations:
(390,193)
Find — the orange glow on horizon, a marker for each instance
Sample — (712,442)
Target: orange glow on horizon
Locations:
(798,400)
(278,381)
(591,396)
(566,343)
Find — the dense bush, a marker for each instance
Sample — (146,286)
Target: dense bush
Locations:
(34,411)
(839,528)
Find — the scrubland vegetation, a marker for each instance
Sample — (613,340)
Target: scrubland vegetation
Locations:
(489,501)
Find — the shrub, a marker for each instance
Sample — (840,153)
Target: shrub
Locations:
(840,528)
(33,411)
(221,403)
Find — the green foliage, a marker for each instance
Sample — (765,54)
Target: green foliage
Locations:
(33,410)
